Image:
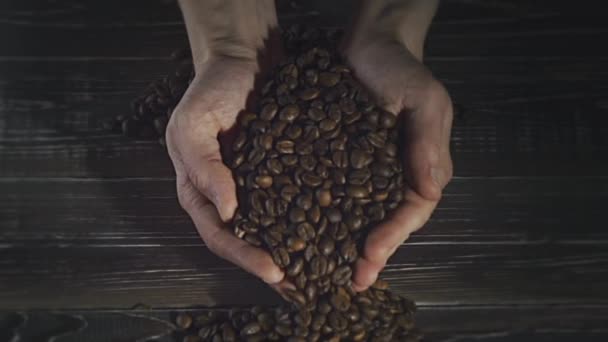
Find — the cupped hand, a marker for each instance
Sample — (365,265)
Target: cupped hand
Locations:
(404,86)
(205,186)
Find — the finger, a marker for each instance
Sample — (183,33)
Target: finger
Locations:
(212,178)
(384,239)
(427,132)
(283,286)
(227,246)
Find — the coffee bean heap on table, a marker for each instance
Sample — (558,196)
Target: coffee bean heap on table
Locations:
(153,108)
(373,315)
(316,166)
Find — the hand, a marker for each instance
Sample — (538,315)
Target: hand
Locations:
(205,186)
(404,86)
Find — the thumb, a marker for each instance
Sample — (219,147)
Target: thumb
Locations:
(214,181)
(210,176)
(427,162)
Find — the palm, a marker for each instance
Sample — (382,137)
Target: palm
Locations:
(404,86)
(205,186)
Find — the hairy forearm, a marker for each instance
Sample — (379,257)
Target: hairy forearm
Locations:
(406,21)
(230,28)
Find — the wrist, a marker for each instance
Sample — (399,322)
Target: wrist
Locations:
(235,29)
(401,21)
(369,39)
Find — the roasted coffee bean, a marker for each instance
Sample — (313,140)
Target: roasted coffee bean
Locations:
(340,300)
(382,170)
(289,160)
(357,191)
(327,125)
(359,177)
(354,223)
(348,250)
(308,94)
(341,275)
(310,291)
(269,111)
(376,212)
(295,297)
(387,120)
(277,128)
(340,159)
(280,256)
(326,245)
(338,191)
(347,105)
(304,201)
(263,181)
(191,338)
(304,149)
(274,166)
(360,159)
(376,139)
(306,231)
(308,162)
(323,63)
(253,240)
(265,141)
(316,114)
(256,156)
(390,149)
(285,146)
(183,321)
(289,113)
(333,215)
(380,183)
(288,192)
(328,79)
(323,197)
(317,267)
(311,179)
(311,76)
(295,244)
(293,131)
(295,267)
(339,231)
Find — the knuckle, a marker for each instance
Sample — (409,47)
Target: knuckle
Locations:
(185,201)
(450,171)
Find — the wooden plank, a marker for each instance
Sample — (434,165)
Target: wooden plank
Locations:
(478,323)
(485,208)
(492,210)
(63,124)
(507,29)
(521,223)
(120,269)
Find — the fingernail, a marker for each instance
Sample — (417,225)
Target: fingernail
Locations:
(274,277)
(358,288)
(437,175)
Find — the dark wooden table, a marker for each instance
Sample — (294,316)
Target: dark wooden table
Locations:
(94,247)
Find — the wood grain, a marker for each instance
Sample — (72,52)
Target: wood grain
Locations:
(516,250)
(441,324)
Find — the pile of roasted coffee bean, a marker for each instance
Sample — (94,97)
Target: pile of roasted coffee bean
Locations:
(373,315)
(316,166)
(153,108)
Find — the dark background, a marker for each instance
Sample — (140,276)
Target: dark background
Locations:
(90,225)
